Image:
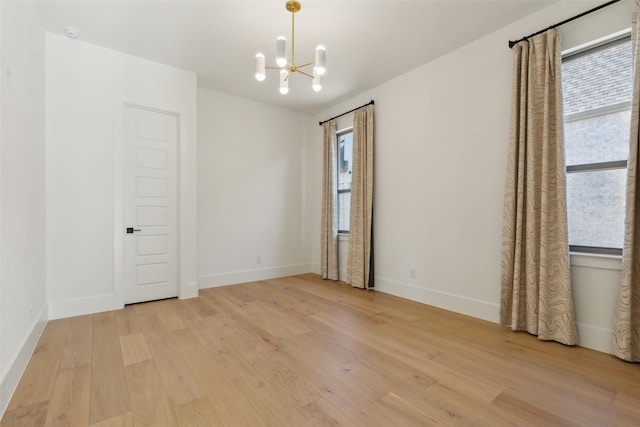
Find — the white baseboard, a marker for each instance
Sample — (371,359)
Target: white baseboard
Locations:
(592,337)
(11,377)
(82,306)
(342,272)
(456,303)
(190,290)
(595,338)
(214,280)
(315,268)
(100,303)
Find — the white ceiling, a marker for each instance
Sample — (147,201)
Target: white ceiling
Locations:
(368,42)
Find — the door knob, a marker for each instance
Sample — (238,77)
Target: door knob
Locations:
(131,230)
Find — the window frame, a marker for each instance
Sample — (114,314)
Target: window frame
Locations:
(597,166)
(340,133)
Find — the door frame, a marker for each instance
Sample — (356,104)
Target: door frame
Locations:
(185,290)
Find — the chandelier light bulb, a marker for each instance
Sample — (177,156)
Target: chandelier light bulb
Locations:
(281,51)
(260,67)
(284,82)
(321,58)
(317,82)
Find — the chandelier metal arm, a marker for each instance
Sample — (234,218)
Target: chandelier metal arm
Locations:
(306,74)
(304,65)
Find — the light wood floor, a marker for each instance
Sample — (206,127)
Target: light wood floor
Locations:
(300,351)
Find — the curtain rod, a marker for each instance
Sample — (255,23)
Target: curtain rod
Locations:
(513,43)
(350,111)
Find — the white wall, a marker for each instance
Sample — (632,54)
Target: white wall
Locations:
(251,191)
(441,139)
(23,308)
(86,87)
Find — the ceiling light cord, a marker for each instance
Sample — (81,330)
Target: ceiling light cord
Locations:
(293,41)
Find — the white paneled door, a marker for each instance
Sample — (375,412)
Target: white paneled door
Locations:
(150,205)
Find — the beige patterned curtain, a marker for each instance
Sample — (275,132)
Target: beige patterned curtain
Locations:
(535,285)
(626,333)
(360,260)
(329,230)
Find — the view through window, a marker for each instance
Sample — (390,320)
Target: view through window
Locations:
(345,156)
(596,86)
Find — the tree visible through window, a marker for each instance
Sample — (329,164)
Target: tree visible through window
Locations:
(597,85)
(345,156)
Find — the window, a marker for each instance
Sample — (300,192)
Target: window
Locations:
(597,86)
(345,156)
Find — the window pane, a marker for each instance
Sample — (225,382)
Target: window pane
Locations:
(595,208)
(598,139)
(345,154)
(596,88)
(344,208)
(598,78)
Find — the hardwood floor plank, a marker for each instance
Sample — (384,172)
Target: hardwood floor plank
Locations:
(273,321)
(31,415)
(150,405)
(78,346)
(229,404)
(450,406)
(179,383)
(250,334)
(109,395)
(322,413)
(201,306)
(69,404)
(387,379)
(466,385)
(258,312)
(262,396)
(332,382)
(40,375)
(169,316)
(627,404)
(216,340)
(402,412)
(242,294)
(524,413)
(301,351)
(186,312)
(134,349)
(198,413)
(123,420)
(127,320)
(288,382)
(320,348)
(542,387)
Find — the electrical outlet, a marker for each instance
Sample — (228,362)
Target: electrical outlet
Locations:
(258,259)
(412,273)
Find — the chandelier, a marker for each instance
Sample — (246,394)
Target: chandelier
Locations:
(287,68)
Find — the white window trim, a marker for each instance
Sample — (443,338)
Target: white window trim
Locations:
(591,260)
